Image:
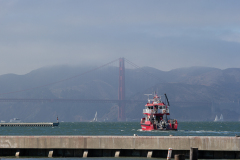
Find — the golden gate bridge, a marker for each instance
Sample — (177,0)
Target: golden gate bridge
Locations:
(121,101)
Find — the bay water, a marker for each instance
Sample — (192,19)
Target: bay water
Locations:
(127,129)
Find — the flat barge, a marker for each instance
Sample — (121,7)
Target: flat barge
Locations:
(43,124)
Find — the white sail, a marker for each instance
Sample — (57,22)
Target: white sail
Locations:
(221,118)
(218,120)
(95,118)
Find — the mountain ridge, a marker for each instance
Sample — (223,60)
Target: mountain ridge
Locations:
(193,84)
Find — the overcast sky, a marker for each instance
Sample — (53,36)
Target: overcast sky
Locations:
(156,33)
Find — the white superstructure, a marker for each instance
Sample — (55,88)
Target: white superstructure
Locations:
(15,120)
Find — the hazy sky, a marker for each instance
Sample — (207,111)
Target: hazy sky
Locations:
(156,33)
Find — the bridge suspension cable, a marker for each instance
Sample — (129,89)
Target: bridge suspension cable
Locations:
(81,74)
(143,70)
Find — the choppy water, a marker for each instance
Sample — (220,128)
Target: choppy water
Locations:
(127,129)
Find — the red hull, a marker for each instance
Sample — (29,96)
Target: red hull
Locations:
(150,127)
(147,127)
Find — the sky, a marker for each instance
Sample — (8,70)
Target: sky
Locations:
(162,34)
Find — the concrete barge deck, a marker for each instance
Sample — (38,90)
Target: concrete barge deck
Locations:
(42,124)
(115,146)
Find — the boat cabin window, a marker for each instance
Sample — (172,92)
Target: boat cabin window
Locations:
(160,107)
(151,107)
(163,107)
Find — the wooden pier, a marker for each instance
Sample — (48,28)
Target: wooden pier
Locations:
(43,124)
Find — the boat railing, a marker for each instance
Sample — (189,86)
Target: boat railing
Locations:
(147,110)
(156,111)
(164,110)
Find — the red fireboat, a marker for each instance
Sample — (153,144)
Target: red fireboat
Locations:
(156,115)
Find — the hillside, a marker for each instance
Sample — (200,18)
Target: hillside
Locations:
(220,89)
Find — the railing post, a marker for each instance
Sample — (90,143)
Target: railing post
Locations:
(193,154)
(169,153)
(17,153)
(179,157)
(149,154)
(117,153)
(50,153)
(85,153)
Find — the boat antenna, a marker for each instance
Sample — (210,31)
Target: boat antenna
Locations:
(148,97)
(166,99)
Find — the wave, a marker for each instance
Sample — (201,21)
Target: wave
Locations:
(210,131)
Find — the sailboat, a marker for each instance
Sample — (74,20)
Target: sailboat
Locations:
(221,118)
(218,120)
(95,118)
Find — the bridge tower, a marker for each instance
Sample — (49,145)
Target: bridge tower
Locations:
(121,91)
